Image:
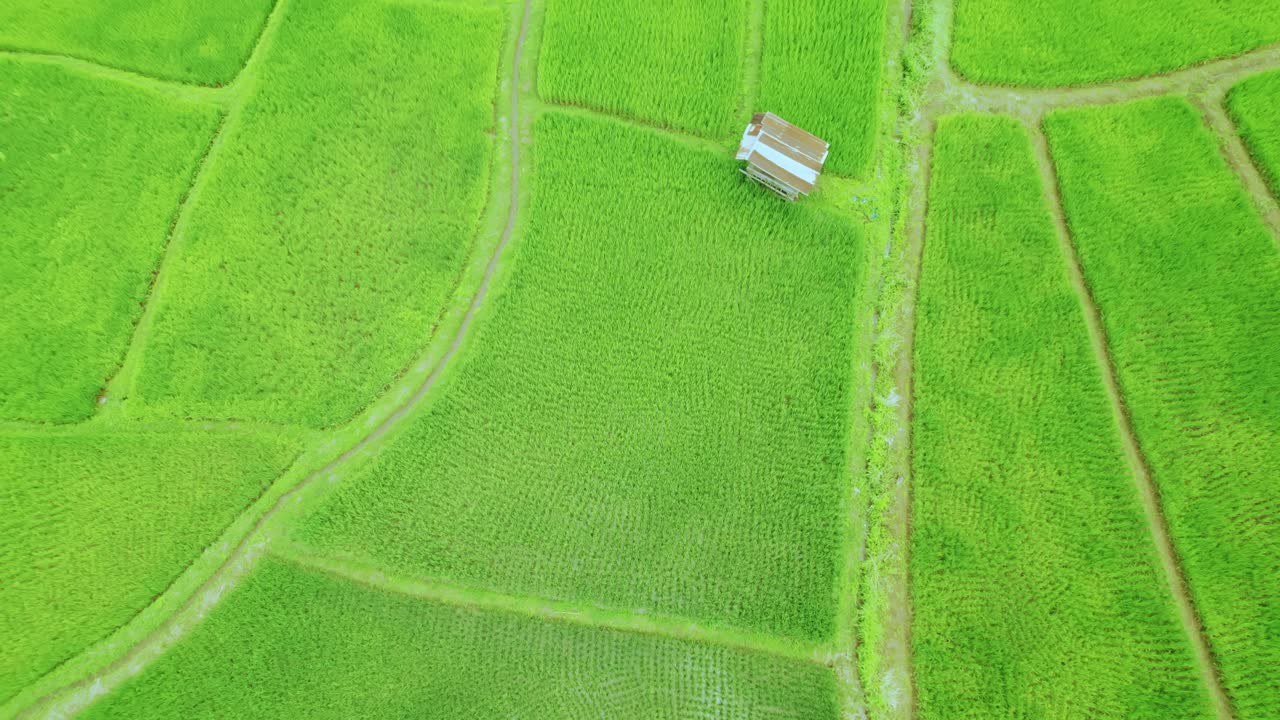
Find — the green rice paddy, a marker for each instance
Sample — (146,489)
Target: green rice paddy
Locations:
(433,359)
(627,58)
(330,232)
(819,70)
(407,656)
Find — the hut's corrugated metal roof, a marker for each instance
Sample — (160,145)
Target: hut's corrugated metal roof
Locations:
(783,150)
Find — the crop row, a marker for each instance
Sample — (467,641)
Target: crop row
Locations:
(1187,279)
(1036,587)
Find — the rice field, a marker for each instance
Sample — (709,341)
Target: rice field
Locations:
(1186,277)
(624,394)
(1028,542)
(1252,105)
(331,232)
(96,525)
(403,358)
(92,176)
(819,70)
(1047,43)
(205,43)
(676,64)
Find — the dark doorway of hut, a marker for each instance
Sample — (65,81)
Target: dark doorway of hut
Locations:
(781,156)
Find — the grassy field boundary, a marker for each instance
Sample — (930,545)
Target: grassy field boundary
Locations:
(540,107)
(675,628)
(1031,104)
(1141,471)
(329,454)
(221,95)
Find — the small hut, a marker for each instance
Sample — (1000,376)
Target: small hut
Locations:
(781,156)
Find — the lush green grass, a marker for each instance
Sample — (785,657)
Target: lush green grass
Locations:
(1188,282)
(1255,107)
(96,525)
(675,63)
(295,643)
(91,175)
(188,40)
(1036,586)
(1065,42)
(654,416)
(821,70)
(336,220)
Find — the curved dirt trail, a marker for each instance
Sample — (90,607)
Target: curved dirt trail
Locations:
(72,699)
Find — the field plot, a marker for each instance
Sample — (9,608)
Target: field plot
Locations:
(1063,42)
(188,40)
(821,69)
(95,526)
(674,63)
(91,175)
(336,220)
(655,414)
(1188,282)
(294,643)
(1253,106)
(1036,586)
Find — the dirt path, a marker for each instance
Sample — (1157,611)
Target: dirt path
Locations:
(1137,461)
(1032,103)
(71,700)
